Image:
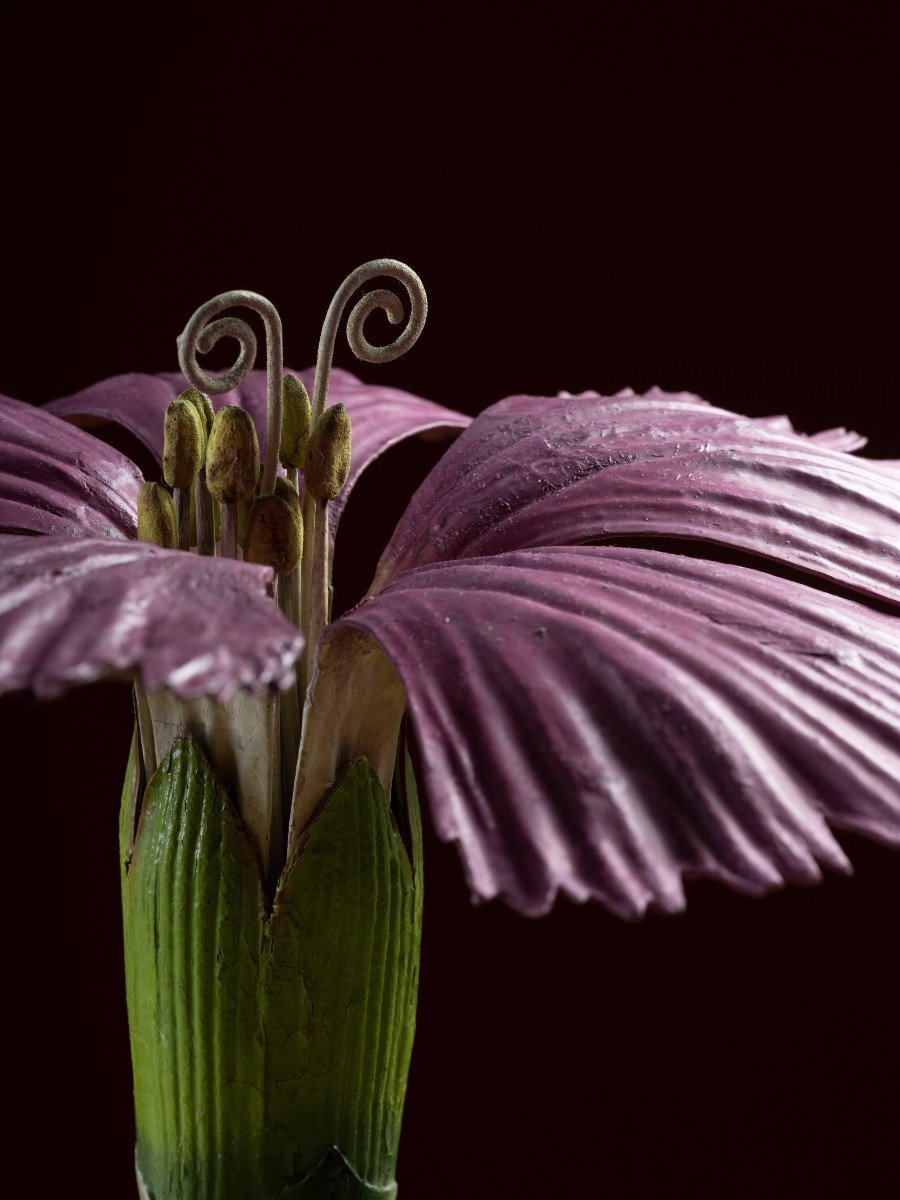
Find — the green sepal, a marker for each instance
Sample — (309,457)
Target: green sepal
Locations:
(334,1178)
(260,1041)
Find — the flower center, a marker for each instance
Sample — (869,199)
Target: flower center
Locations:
(220,499)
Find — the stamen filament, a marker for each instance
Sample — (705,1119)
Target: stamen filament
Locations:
(206,526)
(309,541)
(228,542)
(318,582)
(182,498)
(290,584)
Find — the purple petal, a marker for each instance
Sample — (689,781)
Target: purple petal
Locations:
(58,480)
(380,416)
(75,611)
(605,721)
(138,402)
(532,471)
(838,439)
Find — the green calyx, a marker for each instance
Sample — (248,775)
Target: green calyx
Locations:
(274,535)
(331,1179)
(296,417)
(156,521)
(328,454)
(270,1044)
(184,443)
(232,456)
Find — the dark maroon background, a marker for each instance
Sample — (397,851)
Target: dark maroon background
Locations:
(706,203)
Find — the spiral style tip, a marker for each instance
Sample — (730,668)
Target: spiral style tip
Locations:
(206,328)
(380,298)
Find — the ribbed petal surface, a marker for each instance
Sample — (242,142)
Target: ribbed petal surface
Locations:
(56,479)
(604,721)
(380,416)
(548,471)
(72,611)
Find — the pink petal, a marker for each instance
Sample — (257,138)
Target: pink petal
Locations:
(605,721)
(55,479)
(532,471)
(73,611)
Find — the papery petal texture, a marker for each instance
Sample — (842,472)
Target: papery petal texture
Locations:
(571,469)
(73,611)
(55,479)
(605,721)
(380,416)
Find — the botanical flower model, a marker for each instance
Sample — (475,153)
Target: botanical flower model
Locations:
(592,714)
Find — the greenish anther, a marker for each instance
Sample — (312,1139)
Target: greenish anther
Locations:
(183,444)
(203,405)
(232,456)
(328,455)
(296,418)
(274,536)
(156,520)
(287,492)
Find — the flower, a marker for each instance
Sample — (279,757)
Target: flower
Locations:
(592,718)
(638,638)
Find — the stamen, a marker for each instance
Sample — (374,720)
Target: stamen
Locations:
(232,466)
(156,520)
(184,442)
(328,456)
(243,510)
(296,418)
(203,501)
(326,471)
(274,535)
(289,443)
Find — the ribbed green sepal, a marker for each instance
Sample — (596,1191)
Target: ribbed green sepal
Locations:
(335,1178)
(262,1041)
